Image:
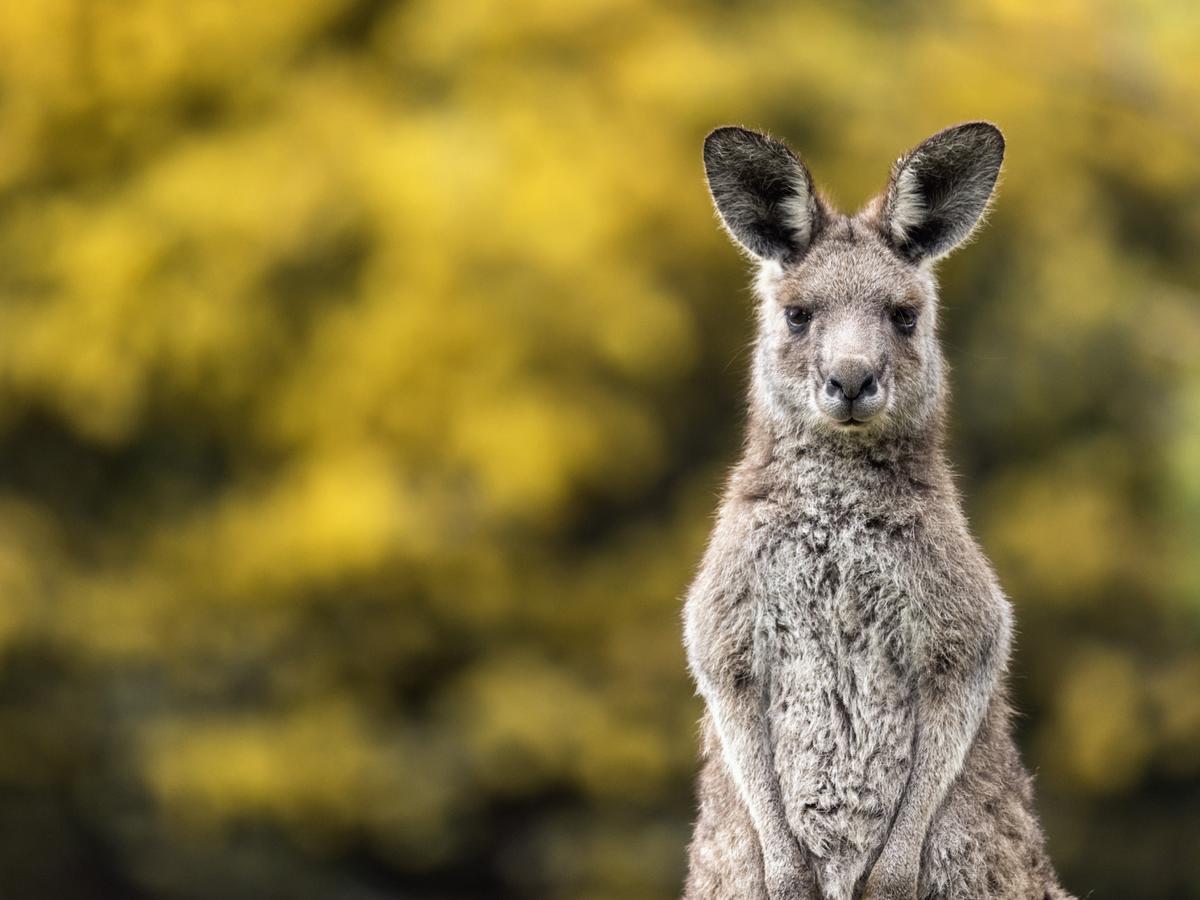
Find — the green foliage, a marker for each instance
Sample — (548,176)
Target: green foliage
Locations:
(370,369)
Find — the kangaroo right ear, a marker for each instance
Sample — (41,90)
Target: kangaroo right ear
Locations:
(763,193)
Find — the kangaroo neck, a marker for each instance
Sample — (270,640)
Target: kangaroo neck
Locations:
(813,460)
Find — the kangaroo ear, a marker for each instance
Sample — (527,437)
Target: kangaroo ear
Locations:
(940,189)
(763,193)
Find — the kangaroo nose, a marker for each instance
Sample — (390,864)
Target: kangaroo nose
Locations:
(850,378)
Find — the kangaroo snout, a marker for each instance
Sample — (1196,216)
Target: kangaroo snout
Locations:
(851,391)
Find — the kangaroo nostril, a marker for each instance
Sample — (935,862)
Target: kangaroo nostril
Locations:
(850,378)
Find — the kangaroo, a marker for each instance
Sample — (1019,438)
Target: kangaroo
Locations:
(845,631)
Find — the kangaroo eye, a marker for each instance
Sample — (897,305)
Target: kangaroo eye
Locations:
(797,318)
(905,319)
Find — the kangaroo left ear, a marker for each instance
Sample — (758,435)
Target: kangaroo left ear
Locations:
(940,189)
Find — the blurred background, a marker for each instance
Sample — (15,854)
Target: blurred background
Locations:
(368,372)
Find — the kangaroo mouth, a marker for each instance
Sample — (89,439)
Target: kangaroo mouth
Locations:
(853,419)
(853,415)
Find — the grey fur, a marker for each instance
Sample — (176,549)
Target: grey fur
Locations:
(845,630)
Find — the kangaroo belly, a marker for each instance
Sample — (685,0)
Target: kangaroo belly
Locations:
(842,727)
(843,745)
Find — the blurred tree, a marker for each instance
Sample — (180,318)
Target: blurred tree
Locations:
(369,370)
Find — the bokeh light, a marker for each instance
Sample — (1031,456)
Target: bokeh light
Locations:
(368,373)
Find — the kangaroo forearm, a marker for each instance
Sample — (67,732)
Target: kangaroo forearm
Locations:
(946,730)
(741,727)
(723,655)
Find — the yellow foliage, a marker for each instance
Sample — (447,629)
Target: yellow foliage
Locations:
(369,370)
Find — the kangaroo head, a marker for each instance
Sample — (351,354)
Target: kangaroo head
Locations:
(847,341)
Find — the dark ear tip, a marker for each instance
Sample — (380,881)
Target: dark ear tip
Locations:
(983,133)
(728,136)
(728,130)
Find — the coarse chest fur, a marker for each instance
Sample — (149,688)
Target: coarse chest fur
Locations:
(841,548)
